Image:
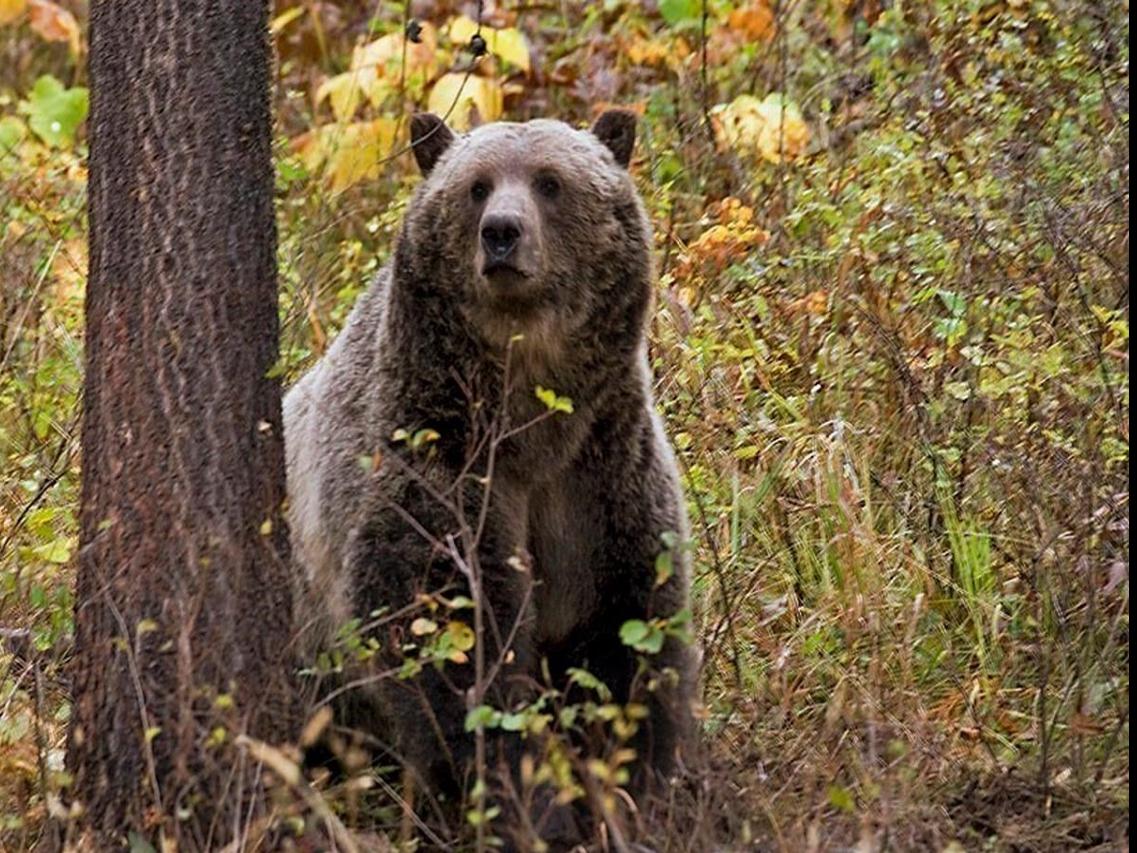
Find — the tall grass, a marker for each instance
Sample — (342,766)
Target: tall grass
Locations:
(902,419)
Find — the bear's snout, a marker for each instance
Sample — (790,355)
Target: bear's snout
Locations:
(501,233)
(509,250)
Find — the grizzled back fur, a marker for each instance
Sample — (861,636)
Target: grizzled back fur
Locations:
(524,260)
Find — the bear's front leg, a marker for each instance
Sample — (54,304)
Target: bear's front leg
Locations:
(637,508)
(663,682)
(466,643)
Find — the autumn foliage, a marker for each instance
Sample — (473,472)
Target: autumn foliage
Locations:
(890,342)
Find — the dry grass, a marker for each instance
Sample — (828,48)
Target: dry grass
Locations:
(902,412)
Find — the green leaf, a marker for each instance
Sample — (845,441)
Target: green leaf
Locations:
(57,551)
(679,626)
(424,436)
(680,618)
(477,818)
(840,798)
(55,113)
(483,716)
(514,722)
(955,304)
(678,11)
(12,133)
(633,631)
(552,402)
(589,682)
(139,844)
(642,636)
(664,568)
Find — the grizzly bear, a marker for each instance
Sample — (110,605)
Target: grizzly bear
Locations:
(483,430)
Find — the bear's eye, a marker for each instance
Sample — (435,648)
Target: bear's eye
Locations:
(480,191)
(548,186)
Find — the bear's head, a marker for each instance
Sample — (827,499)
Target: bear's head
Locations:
(533,229)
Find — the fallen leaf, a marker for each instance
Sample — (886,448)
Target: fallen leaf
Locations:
(656,52)
(54,23)
(755,21)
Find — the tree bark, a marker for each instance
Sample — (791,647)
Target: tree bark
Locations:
(183,602)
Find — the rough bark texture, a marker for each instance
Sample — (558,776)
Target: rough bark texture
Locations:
(183,594)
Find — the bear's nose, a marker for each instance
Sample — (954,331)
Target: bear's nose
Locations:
(500,234)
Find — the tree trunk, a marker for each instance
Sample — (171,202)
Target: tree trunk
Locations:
(183,603)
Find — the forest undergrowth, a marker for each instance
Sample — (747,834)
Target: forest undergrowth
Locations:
(891,345)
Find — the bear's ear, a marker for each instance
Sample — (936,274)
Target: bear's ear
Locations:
(617,130)
(430,137)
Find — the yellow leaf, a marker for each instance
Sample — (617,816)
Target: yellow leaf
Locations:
(461,635)
(376,68)
(641,51)
(464,97)
(667,51)
(386,54)
(358,153)
(423,626)
(376,54)
(816,303)
(285,18)
(772,129)
(54,23)
(510,44)
(345,91)
(11,9)
(462,29)
(349,153)
(507,43)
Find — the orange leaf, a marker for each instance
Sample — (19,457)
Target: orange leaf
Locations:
(54,23)
(755,21)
